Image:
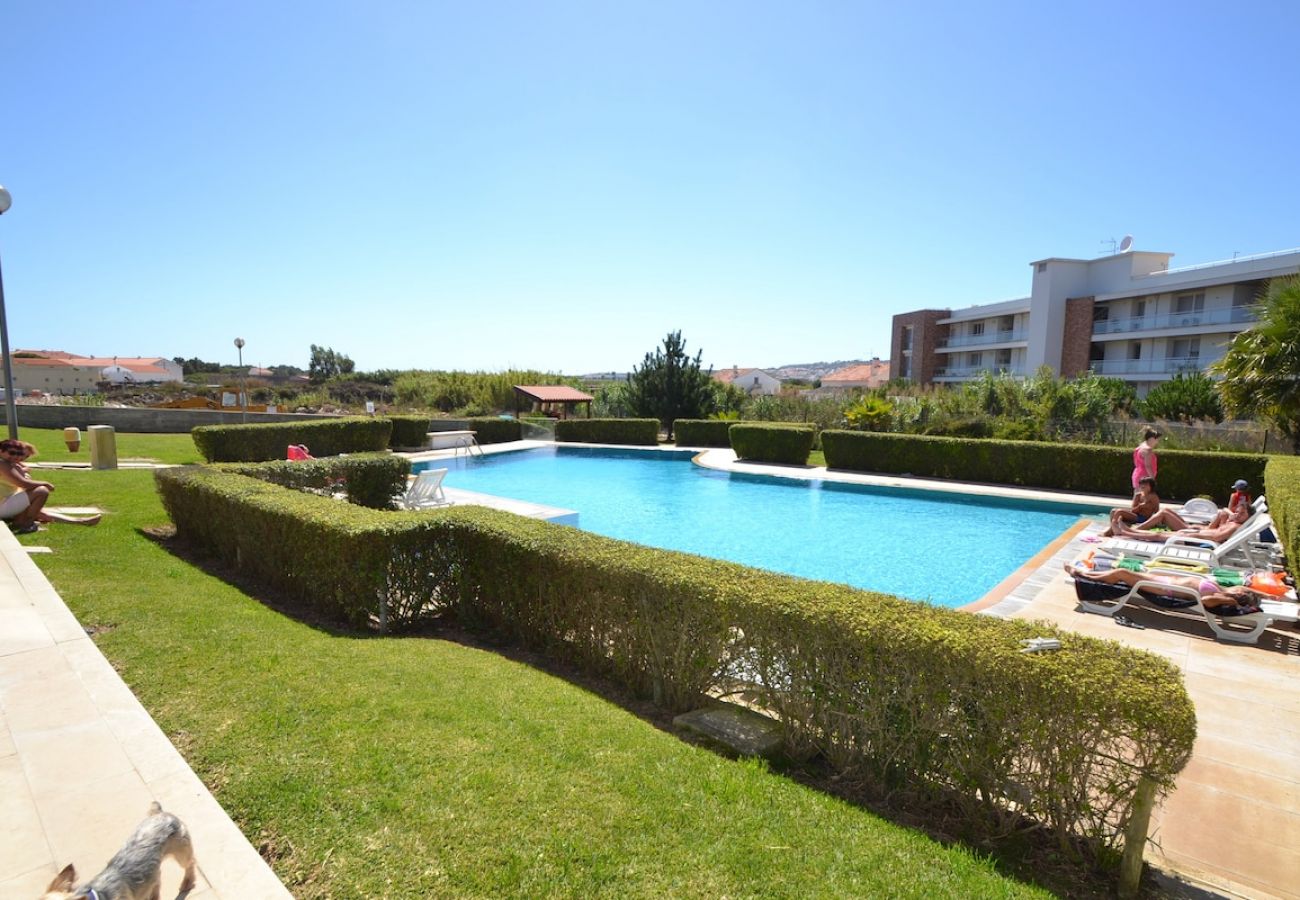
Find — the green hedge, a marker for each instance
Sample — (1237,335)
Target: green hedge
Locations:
(896,695)
(705,432)
(368,479)
(1072,467)
(409,432)
(494,430)
(257,443)
(1282,486)
(788,444)
(608,431)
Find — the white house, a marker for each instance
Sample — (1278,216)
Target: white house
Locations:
(751,381)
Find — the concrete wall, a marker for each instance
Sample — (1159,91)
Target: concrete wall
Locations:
(139,420)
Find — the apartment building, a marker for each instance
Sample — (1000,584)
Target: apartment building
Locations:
(1128,315)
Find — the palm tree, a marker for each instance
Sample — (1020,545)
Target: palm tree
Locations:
(1261,370)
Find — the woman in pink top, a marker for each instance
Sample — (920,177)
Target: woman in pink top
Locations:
(1144,457)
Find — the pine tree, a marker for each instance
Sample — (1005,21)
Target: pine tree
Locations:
(669,385)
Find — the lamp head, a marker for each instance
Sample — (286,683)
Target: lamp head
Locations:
(6,200)
(239,342)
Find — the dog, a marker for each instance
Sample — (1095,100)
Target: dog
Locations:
(134,872)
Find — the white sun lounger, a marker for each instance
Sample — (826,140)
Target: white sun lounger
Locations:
(425,492)
(1243,545)
(1254,623)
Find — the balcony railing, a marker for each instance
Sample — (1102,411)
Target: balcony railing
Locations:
(1167,366)
(1236,315)
(974,371)
(991,337)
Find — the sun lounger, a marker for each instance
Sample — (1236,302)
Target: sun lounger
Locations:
(425,492)
(1173,597)
(1242,547)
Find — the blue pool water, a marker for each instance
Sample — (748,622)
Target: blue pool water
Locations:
(947,549)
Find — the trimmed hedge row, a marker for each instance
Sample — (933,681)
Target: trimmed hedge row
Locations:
(1072,467)
(609,431)
(788,444)
(257,443)
(1282,483)
(409,432)
(705,432)
(370,479)
(494,430)
(900,696)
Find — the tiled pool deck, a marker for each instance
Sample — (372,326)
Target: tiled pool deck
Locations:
(1232,824)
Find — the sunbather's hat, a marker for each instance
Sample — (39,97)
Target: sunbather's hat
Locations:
(1240,484)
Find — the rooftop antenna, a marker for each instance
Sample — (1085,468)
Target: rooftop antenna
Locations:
(1113,244)
(1126,244)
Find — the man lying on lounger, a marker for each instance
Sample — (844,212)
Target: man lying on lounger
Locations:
(1221,600)
(1221,527)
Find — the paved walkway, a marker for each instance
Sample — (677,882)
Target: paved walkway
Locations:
(81,760)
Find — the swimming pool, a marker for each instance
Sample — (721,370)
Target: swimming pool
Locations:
(944,548)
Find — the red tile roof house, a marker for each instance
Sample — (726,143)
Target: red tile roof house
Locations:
(138,369)
(868,375)
(752,381)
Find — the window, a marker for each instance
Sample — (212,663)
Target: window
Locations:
(1135,350)
(1004,357)
(1101,313)
(1042,267)
(1096,352)
(1007,323)
(976,329)
(905,367)
(1185,348)
(907,338)
(1189,304)
(1139,308)
(974,360)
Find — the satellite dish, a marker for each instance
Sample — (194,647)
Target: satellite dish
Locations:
(1126,244)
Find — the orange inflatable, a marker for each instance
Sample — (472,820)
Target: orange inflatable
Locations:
(1270,583)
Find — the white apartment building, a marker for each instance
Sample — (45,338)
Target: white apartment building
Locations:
(1128,316)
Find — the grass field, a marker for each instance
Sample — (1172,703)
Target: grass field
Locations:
(401,767)
(163,448)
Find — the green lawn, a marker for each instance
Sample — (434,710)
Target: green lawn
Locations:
(164,448)
(403,767)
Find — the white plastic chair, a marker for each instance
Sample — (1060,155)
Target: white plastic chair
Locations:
(1255,623)
(425,492)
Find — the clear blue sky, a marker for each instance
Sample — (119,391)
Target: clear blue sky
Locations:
(556,185)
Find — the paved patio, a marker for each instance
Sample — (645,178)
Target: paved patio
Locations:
(81,760)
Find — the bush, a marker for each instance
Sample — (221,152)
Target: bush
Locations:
(256,443)
(369,479)
(1187,397)
(409,432)
(789,444)
(901,696)
(704,432)
(493,430)
(1282,484)
(870,413)
(1069,467)
(609,431)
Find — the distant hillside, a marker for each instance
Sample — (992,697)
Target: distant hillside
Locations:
(809,371)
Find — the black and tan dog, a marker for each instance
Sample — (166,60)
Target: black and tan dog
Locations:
(134,872)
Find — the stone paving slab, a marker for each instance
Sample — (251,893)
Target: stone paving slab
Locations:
(81,759)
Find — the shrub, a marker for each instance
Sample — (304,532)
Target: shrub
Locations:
(870,413)
(1070,467)
(899,695)
(256,443)
(609,431)
(1187,397)
(494,430)
(1282,483)
(370,479)
(704,432)
(789,444)
(409,432)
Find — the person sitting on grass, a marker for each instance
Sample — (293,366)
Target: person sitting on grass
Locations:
(1146,503)
(23,508)
(1221,600)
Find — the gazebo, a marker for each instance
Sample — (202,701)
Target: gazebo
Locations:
(549,396)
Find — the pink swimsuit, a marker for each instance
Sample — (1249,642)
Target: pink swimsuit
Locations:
(1139,465)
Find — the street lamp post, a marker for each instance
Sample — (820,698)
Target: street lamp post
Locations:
(11,407)
(243,390)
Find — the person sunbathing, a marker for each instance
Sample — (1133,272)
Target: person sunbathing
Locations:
(1215,598)
(1222,527)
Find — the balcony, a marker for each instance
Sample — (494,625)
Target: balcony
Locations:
(1235,316)
(982,340)
(976,371)
(1129,367)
